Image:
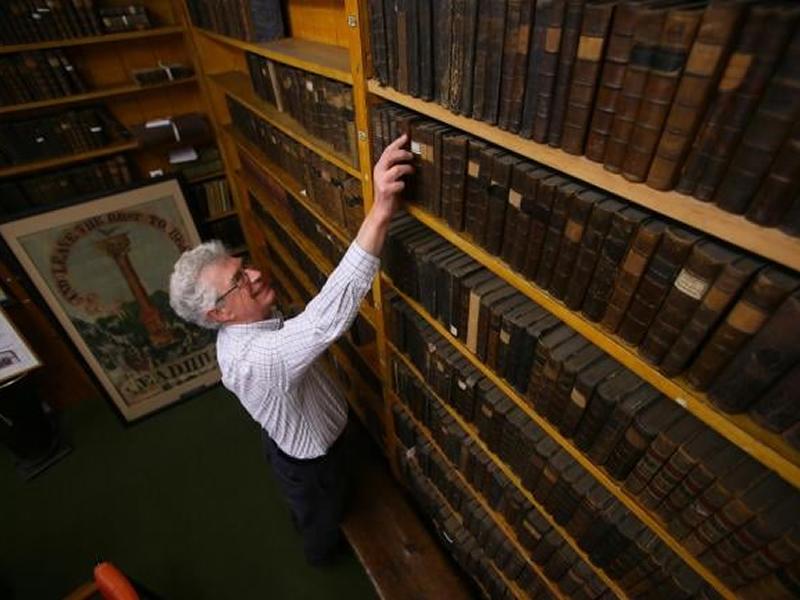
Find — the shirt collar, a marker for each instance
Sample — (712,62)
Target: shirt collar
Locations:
(273,323)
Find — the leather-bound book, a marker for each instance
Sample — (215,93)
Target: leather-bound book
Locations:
(533,527)
(589,251)
(634,554)
(652,553)
(491,90)
(377,31)
(575,488)
(776,193)
(548,69)
(511,311)
(766,131)
(646,37)
(403,27)
(617,540)
(457,65)
(664,267)
(498,200)
(467,379)
(624,224)
(428,272)
(761,362)
(481,61)
(424,163)
(620,418)
(620,43)
(456,275)
(586,381)
(454,149)
(426,51)
(673,49)
(707,58)
(769,558)
(444,279)
(562,202)
(515,225)
(777,409)
(466,287)
(497,295)
(474,190)
(509,58)
(499,338)
(764,294)
(542,453)
(758,49)
(441,14)
(560,401)
(571,34)
(790,222)
(731,279)
(677,468)
(711,462)
(659,451)
(470,34)
(550,396)
(524,346)
(593,504)
(735,513)
(580,210)
(646,424)
(488,157)
(540,219)
(537,46)
(580,99)
(690,287)
(602,403)
(558,564)
(476,296)
(643,246)
(603,526)
(557,464)
(516,95)
(548,363)
(527,373)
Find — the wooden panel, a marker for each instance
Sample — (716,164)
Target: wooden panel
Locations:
(318,21)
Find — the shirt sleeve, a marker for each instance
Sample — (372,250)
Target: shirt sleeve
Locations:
(329,314)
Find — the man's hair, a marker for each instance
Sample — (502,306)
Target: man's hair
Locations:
(188,296)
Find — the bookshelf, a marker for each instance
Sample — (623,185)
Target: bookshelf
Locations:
(330,38)
(155,32)
(67,159)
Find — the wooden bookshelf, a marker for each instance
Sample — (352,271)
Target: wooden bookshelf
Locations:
(95,39)
(225,215)
(770,243)
(768,448)
(315,57)
(67,159)
(612,486)
(207,177)
(102,94)
(237,85)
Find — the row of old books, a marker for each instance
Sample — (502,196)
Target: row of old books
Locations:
(250,20)
(472,537)
(211,199)
(59,134)
(334,191)
(700,98)
(31,21)
(738,518)
(30,194)
(42,75)
(593,252)
(323,106)
(747,357)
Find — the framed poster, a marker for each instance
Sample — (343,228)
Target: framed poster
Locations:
(103,267)
(16,357)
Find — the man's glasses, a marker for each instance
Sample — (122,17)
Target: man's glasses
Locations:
(239,279)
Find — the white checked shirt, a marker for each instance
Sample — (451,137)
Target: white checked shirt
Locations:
(270,365)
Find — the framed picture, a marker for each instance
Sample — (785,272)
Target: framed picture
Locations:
(16,357)
(103,267)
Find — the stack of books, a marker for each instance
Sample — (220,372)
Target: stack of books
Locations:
(250,20)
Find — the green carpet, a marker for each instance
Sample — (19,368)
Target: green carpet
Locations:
(182,501)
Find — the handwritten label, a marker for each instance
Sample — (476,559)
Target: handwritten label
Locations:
(691,285)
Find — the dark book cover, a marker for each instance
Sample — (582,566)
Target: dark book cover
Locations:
(563,199)
(477,313)
(537,46)
(474,195)
(551,352)
(545,196)
(774,197)
(441,15)
(560,403)
(469,53)
(509,313)
(457,51)
(586,382)
(467,285)
(494,60)
(548,69)
(377,31)
(777,409)
(425,49)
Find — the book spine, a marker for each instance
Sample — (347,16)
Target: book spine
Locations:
(569,46)
(548,69)
(537,42)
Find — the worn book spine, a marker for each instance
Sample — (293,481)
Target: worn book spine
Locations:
(600,405)
(440,15)
(643,245)
(481,61)
(645,45)
(569,46)
(457,64)
(519,76)
(540,220)
(618,53)
(759,48)
(515,226)
(585,74)
(510,43)
(496,27)
(790,222)
(456,154)
(425,49)
(403,26)
(656,283)
(688,291)
(537,45)
(548,69)
(623,226)
(561,402)
(563,198)
(766,131)
(704,65)
(766,292)
(667,65)
(473,226)
(469,54)
(776,409)
(377,27)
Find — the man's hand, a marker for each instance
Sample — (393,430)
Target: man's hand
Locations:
(387,182)
(387,177)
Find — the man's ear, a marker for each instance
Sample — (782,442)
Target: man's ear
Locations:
(219,315)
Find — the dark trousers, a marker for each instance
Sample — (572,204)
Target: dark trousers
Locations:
(316,491)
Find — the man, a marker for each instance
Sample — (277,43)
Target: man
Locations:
(269,362)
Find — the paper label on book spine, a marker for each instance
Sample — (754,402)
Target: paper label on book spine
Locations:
(454,330)
(309,85)
(415,147)
(505,336)
(703,59)
(514,198)
(462,385)
(473,168)
(426,152)
(552,40)
(578,399)
(738,64)
(747,318)
(590,48)
(691,285)
(573,231)
(472,328)
(716,299)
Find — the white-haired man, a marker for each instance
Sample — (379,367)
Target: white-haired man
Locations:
(269,362)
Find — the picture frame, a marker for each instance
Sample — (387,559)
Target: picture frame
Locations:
(103,267)
(16,356)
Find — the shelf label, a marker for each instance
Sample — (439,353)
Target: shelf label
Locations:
(681,401)
(454,330)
